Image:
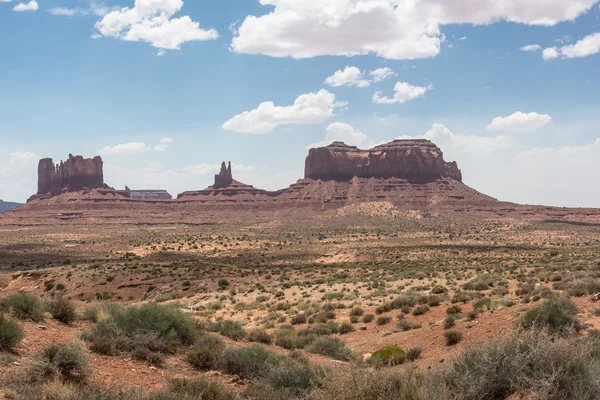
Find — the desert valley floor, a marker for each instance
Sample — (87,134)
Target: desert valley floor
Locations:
(370,275)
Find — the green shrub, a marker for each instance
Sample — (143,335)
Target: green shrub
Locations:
(193,389)
(383,320)
(345,327)
(420,310)
(206,352)
(62,310)
(330,347)
(557,315)
(388,356)
(246,362)
(368,318)
(413,353)
(295,375)
(405,325)
(450,321)
(452,337)
(24,306)
(146,332)
(232,329)
(62,361)
(299,319)
(259,336)
(483,305)
(357,312)
(455,309)
(11,334)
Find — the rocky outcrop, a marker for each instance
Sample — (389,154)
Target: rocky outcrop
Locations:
(224,178)
(75,174)
(227,190)
(415,160)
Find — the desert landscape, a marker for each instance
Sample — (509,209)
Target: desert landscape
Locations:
(380,275)
(299,200)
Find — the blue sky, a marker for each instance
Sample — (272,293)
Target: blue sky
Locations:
(159,88)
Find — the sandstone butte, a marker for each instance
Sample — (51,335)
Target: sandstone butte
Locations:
(410,174)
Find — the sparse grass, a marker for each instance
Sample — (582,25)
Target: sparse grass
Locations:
(557,315)
(62,310)
(60,361)
(11,334)
(24,306)
(452,337)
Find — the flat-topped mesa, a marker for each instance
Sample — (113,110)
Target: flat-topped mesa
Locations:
(224,178)
(416,160)
(77,173)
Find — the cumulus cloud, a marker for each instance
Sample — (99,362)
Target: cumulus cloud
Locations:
(520,122)
(381,74)
(125,149)
(550,53)
(339,131)
(587,46)
(350,76)
(455,145)
(531,48)
(153,21)
(94,8)
(311,108)
(164,144)
(31,6)
(133,148)
(403,92)
(392,29)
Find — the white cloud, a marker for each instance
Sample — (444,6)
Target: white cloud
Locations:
(391,29)
(31,6)
(350,76)
(339,131)
(125,149)
(202,169)
(64,11)
(153,21)
(455,145)
(381,74)
(520,122)
(585,47)
(531,48)
(550,53)
(94,8)
(311,108)
(403,92)
(164,144)
(136,148)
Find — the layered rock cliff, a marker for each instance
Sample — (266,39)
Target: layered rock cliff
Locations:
(77,173)
(415,160)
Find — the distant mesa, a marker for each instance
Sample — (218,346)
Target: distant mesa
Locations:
(151,194)
(74,175)
(416,160)
(5,206)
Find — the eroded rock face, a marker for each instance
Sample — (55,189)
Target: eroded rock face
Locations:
(415,160)
(77,173)
(224,178)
